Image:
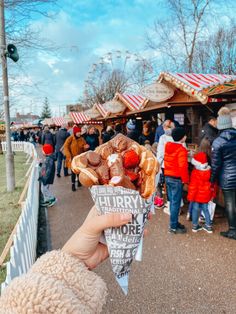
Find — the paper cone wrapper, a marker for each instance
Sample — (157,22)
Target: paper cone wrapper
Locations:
(122,242)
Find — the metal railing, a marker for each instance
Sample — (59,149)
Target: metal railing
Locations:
(24,236)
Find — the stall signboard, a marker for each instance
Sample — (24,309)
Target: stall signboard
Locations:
(157,92)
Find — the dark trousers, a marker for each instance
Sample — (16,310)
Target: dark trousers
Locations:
(60,160)
(73,178)
(230,207)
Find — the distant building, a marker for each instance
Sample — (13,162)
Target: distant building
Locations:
(76,107)
(24,118)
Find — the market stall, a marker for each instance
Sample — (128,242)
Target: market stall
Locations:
(188,98)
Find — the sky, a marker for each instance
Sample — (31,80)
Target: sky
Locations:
(83,31)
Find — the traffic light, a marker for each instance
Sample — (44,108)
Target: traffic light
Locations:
(12,52)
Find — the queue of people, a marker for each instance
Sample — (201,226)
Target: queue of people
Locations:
(213,165)
(71,286)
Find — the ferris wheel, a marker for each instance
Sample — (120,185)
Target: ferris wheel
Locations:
(116,71)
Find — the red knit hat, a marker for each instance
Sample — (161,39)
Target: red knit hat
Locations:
(76,129)
(201,157)
(47,149)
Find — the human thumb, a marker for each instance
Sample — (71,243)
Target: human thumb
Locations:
(100,223)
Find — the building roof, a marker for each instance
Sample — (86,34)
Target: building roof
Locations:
(133,102)
(79,117)
(59,121)
(200,86)
(104,113)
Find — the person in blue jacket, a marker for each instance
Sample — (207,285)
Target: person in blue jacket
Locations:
(224,167)
(47,174)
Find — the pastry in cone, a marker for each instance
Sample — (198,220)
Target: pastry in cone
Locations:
(124,158)
(88,177)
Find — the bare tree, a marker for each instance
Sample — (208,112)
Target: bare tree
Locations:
(19,17)
(218,52)
(176,38)
(108,81)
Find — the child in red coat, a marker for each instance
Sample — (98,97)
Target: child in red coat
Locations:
(200,191)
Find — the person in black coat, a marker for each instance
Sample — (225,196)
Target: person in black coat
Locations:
(61,137)
(92,138)
(146,135)
(132,131)
(48,137)
(209,130)
(108,134)
(47,175)
(224,167)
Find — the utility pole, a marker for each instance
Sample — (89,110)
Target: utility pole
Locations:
(10,171)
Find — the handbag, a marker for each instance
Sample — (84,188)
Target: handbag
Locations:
(211,209)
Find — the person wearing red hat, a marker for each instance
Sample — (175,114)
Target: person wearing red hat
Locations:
(74,145)
(200,192)
(47,175)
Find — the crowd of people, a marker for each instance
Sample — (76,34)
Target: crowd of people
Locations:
(68,286)
(182,176)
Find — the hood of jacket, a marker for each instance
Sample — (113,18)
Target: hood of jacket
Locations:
(228,134)
(173,148)
(199,166)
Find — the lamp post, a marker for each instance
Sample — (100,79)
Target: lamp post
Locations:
(10,171)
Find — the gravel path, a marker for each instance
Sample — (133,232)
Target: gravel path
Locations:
(192,273)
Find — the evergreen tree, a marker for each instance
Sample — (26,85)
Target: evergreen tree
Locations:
(46,113)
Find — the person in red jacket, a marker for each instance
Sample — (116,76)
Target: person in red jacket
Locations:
(200,191)
(176,174)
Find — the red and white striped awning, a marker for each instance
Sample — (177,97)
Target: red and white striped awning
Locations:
(59,121)
(79,117)
(102,110)
(133,102)
(200,86)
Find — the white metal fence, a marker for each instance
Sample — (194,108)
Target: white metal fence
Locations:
(23,250)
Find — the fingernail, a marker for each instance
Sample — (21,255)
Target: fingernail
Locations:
(126,217)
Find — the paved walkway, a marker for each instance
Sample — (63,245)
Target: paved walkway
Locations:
(192,273)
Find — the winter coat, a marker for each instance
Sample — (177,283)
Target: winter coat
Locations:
(143,138)
(61,137)
(209,132)
(199,189)
(133,135)
(92,140)
(223,160)
(159,132)
(161,148)
(107,136)
(57,283)
(48,138)
(73,146)
(47,172)
(176,161)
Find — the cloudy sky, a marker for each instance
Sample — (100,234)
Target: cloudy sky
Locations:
(84,31)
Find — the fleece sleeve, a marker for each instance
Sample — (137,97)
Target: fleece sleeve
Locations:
(56,283)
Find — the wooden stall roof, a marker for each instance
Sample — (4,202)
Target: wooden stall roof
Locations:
(93,113)
(79,117)
(132,102)
(48,121)
(200,86)
(59,121)
(104,113)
